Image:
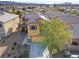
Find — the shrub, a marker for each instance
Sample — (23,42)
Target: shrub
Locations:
(24,55)
(13,48)
(14,43)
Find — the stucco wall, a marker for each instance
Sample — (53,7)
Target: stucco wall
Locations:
(11,26)
(37,38)
(33,32)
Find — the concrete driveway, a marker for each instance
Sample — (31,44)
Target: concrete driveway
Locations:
(36,50)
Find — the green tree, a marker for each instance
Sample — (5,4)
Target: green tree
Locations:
(61,9)
(18,12)
(13,10)
(55,34)
(74,12)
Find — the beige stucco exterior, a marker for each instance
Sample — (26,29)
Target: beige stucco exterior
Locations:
(11,26)
(34,34)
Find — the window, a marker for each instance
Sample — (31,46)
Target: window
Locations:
(33,27)
(0,25)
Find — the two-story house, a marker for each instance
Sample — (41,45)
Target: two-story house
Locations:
(8,23)
(33,26)
(33,29)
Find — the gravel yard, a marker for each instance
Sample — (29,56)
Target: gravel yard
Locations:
(13,46)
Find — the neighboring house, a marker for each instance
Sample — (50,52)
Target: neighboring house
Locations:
(8,23)
(33,26)
(33,29)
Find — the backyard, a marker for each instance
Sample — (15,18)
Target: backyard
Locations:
(12,46)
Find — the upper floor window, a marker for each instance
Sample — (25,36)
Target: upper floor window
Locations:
(33,27)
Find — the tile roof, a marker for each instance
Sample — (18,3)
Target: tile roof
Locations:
(66,17)
(31,17)
(4,17)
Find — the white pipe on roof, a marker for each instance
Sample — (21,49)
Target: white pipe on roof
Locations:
(42,16)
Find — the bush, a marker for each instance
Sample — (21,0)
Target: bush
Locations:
(61,9)
(18,12)
(14,43)
(18,46)
(24,55)
(13,48)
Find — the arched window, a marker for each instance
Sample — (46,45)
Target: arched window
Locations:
(33,27)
